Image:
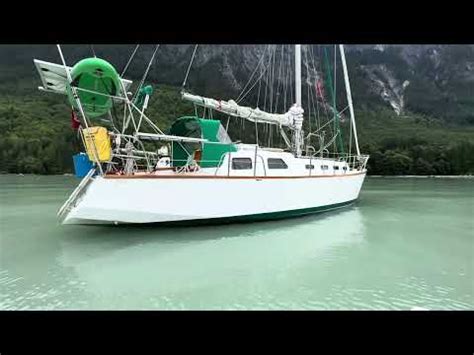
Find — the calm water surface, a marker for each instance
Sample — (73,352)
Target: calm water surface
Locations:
(407,243)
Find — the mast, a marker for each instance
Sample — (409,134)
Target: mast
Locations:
(349,96)
(298,121)
(298,74)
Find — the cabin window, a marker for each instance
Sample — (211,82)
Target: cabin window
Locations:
(275,163)
(324,167)
(344,168)
(241,163)
(335,167)
(309,166)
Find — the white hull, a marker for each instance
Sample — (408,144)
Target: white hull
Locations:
(207,176)
(195,199)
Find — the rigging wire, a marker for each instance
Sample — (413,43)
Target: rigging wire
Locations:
(268,88)
(279,79)
(189,67)
(336,123)
(250,89)
(112,112)
(259,88)
(227,125)
(275,75)
(129,116)
(315,98)
(308,89)
(146,72)
(316,80)
(292,78)
(329,80)
(338,128)
(242,128)
(260,61)
(129,61)
(285,86)
(92,50)
(272,80)
(265,82)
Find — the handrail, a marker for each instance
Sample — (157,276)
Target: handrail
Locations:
(263,163)
(352,161)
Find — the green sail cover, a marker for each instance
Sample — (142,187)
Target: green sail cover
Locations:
(97,75)
(194,127)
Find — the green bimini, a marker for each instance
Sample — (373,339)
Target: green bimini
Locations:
(96,75)
(209,153)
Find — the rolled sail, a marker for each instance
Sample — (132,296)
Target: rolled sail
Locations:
(290,119)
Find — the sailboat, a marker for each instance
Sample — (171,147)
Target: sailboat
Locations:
(198,174)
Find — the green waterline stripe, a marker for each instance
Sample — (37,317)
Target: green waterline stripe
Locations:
(253,217)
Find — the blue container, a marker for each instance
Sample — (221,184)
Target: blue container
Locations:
(82,164)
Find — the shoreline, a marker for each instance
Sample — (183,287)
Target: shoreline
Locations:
(368,176)
(421,176)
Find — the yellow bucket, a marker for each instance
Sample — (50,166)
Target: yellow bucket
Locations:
(100,137)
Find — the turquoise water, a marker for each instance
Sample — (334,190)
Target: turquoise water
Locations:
(407,243)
